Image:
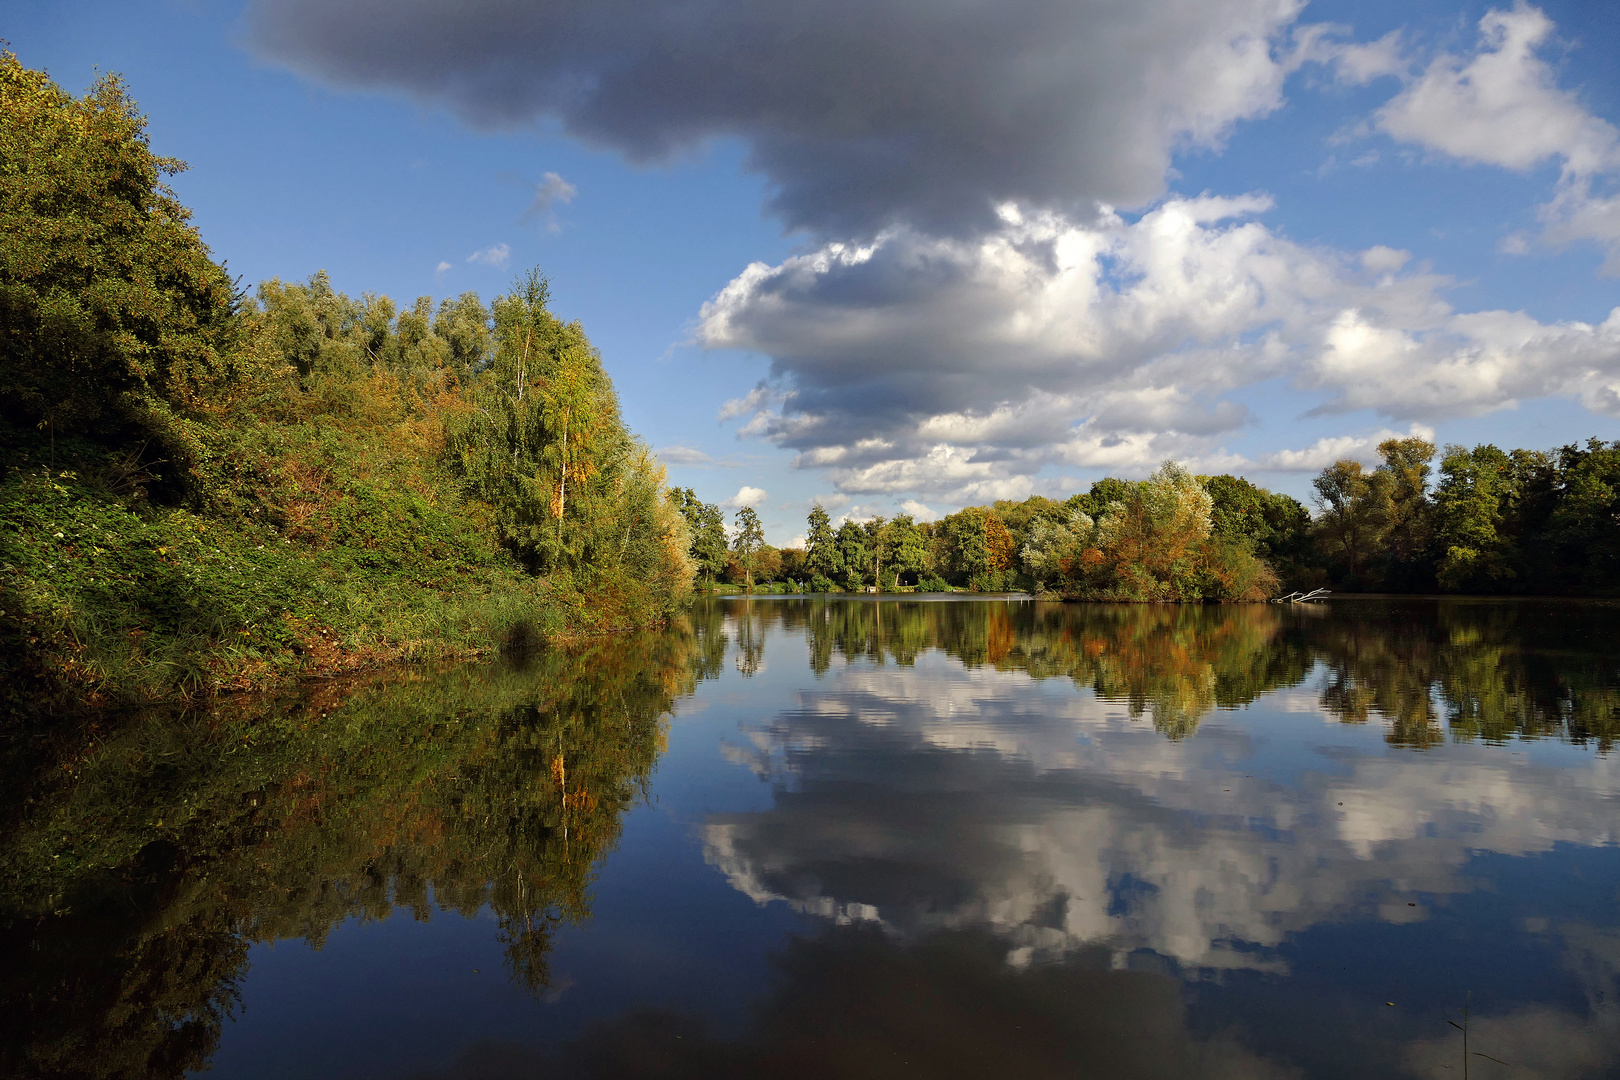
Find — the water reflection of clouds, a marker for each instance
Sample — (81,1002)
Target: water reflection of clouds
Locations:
(935,797)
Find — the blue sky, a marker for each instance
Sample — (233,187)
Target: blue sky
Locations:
(900,259)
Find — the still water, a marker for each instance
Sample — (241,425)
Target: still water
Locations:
(852,838)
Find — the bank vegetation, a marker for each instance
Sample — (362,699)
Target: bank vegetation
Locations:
(207,489)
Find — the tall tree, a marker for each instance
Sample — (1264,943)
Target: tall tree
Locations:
(852,556)
(706,526)
(877,548)
(1156,537)
(908,547)
(821,546)
(1581,490)
(1409,534)
(748,541)
(115,322)
(968,556)
(1477,495)
(1276,525)
(1354,519)
(542,441)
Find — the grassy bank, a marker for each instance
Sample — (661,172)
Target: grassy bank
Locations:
(357,554)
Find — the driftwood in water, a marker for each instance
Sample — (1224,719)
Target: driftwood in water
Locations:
(1301,597)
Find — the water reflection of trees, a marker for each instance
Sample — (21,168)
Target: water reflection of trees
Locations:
(1478,670)
(1489,670)
(138,860)
(1172,663)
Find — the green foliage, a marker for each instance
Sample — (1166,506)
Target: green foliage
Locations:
(203,492)
(1575,503)
(1498,521)
(1476,492)
(145,854)
(976,550)
(1094,503)
(329,339)
(1354,515)
(821,546)
(1278,526)
(908,547)
(1410,534)
(748,542)
(1159,542)
(115,324)
(852,555)
(706,525)
(541,441)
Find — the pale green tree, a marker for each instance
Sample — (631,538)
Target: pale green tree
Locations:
(1053,549)
(908,547)
(878,553)
(706,525)
(748,540)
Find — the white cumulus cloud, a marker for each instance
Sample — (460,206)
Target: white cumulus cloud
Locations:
(496,256)
(960,368)
(746,496)
(1503,106)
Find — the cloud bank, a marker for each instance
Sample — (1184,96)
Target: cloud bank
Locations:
(958,368)
(997,282)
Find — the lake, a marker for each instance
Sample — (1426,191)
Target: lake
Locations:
(867,837)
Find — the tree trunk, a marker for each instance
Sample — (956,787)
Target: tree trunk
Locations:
(562,485)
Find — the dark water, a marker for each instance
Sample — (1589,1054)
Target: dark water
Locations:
(852,838)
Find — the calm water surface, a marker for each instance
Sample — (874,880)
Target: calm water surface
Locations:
(794,837)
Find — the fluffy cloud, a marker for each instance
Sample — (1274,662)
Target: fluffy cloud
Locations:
(918,511)
(1328,449)
(1503,106)
(860,114)
(746,496)
(496,256)
(549,193)
(961,367)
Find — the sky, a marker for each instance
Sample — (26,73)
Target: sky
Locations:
(901,256)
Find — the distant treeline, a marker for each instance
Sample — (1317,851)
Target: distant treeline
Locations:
(201,489)
(1516,522)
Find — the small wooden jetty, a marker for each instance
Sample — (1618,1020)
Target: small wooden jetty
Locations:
(1301,597)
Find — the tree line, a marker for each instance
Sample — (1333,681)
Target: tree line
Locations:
(1491,521)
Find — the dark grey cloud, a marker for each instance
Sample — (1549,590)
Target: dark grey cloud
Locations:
(860,112)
